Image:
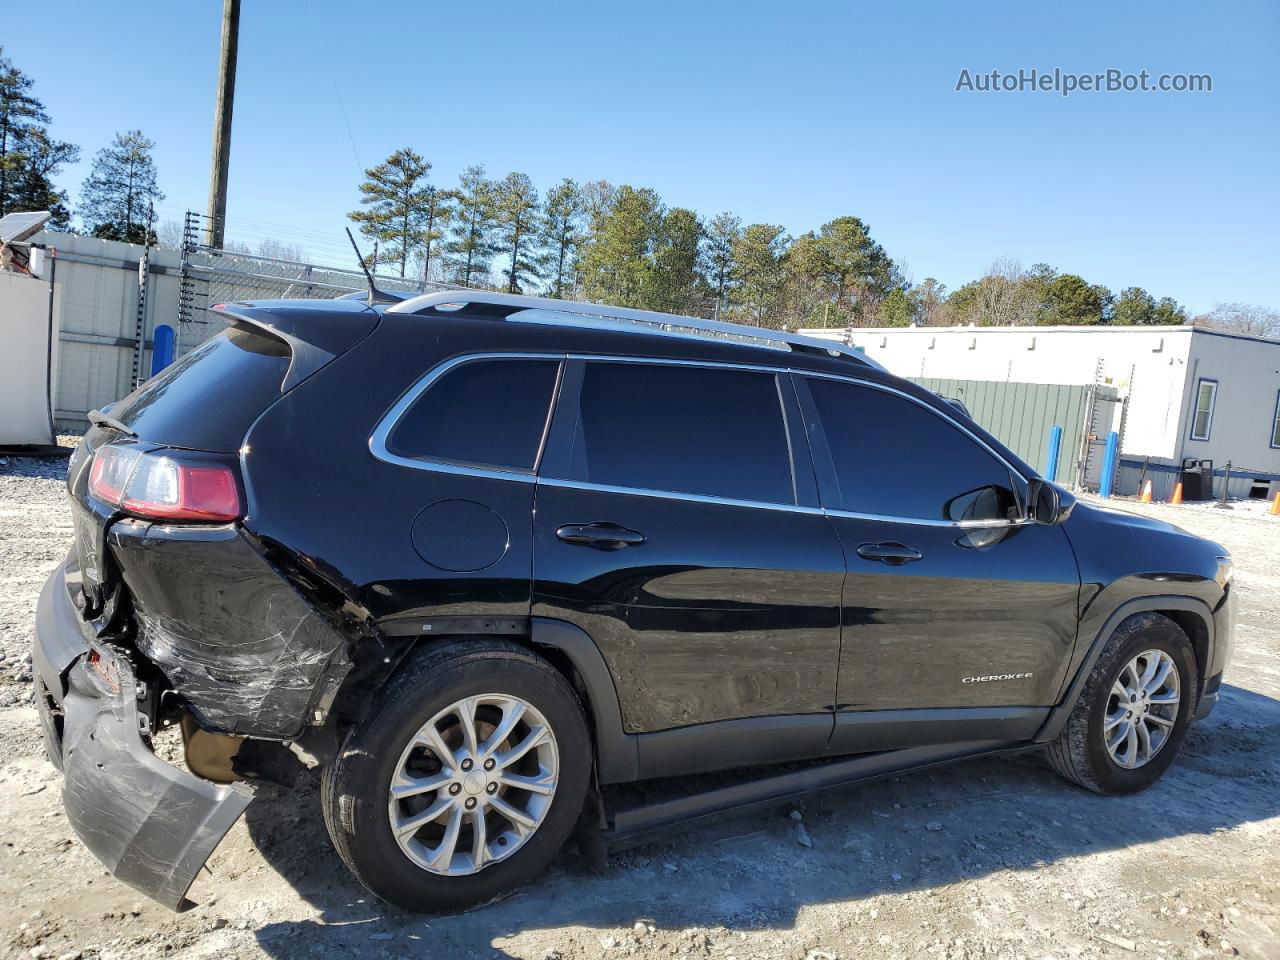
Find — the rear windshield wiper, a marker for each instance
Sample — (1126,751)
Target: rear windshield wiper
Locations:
(100,419)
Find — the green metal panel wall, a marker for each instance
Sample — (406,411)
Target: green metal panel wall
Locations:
(1020,415)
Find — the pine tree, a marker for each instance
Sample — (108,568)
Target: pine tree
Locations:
(516,229)
(437,211)
(29,157)
(758,271)
(616,260)
(1169,312)
(562,215)
(722,233)
(395,193)
(120,188)
(856,270)
(674,283)
(32,186)
(1135,307)
(471,248)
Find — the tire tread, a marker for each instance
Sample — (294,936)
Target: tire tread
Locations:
(338,791)
(1069,753)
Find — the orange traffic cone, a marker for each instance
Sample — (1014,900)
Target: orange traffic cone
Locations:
(1275,505)
(1177,494)
(1146,493)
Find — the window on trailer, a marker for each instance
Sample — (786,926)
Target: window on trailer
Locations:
(1275,423)
(1202,421)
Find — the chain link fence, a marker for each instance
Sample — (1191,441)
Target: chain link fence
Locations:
(210,276)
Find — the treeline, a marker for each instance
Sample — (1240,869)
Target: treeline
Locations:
(623,245)
(116,198)
(592,241)
(1009,295)
(618,244)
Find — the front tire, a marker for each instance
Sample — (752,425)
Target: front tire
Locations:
(463,781)
(1133,713)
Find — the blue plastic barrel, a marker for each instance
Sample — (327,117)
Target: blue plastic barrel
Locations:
(162,348)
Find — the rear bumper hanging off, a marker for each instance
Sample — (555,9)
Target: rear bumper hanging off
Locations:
(151,824)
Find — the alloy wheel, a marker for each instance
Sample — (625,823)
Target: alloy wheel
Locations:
(1142,709)
(473,784)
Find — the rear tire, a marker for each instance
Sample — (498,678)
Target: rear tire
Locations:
(1095,748)
(472,852)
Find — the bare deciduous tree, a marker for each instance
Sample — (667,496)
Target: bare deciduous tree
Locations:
(1247,318)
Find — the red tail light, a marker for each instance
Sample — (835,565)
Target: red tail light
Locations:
(153,485)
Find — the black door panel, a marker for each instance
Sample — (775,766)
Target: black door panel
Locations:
(716,597)
(952,598)
(919,633)
(723,612)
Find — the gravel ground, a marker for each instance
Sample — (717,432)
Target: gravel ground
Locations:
(994,858)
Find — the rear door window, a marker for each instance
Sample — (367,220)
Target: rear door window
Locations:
(709,431)
(489,413)
(895,458)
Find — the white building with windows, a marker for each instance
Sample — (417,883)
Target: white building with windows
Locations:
(1189,393)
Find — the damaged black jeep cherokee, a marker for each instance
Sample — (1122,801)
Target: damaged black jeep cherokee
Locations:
(484,559)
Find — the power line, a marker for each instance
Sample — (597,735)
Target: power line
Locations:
(315,25)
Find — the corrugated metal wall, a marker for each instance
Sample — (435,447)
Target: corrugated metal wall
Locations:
(1021,415)
(98,316)
(97,312)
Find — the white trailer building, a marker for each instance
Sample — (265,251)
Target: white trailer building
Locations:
(1188,393)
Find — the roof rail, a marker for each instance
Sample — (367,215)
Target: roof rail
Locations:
(604,316)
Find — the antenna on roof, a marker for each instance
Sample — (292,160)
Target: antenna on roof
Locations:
(375,295)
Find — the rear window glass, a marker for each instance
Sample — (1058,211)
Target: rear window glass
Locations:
(208,399)
(490,413)
(685,429)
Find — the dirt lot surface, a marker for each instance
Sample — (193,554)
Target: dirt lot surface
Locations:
(994,858)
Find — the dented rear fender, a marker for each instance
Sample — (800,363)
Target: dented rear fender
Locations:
(239,643)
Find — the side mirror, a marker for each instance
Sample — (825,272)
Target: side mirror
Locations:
(1048,504)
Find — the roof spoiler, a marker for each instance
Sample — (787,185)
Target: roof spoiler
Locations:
(315,333)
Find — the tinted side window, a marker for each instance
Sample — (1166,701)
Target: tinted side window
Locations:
(487,412)
(895,458)
(686,429)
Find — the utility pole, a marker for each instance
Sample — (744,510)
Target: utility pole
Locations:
(222,124)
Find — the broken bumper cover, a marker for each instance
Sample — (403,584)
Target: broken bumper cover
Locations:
(151,824)
(249,655)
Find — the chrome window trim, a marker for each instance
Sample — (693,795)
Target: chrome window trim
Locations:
(378,439)
(381,432)
(677,495)
(920,522)
(678,362)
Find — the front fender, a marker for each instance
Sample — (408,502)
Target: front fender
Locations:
(1059,715)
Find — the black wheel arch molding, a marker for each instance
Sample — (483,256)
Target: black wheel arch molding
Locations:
(1205,657)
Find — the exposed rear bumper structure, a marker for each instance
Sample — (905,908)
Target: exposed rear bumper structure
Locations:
(151,824)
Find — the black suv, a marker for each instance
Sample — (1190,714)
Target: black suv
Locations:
(483,558)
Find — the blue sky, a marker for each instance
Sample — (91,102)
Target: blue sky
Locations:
(789,113)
